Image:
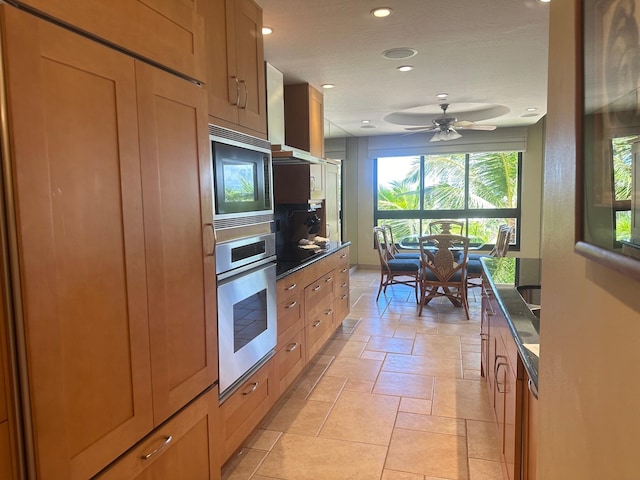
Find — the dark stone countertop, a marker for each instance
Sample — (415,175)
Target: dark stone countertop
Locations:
(505,275)
(291,258)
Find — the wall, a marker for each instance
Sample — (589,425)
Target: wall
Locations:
(358,181)
(590,329)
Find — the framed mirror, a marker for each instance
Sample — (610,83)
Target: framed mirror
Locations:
(608,228)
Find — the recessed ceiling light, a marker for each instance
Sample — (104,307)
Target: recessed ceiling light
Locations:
(327,85)
(365,121)
(545,1)
(381,12)
(397,53)
(531,109)
(267,30)
(442,96)
(368,125)
(405,68)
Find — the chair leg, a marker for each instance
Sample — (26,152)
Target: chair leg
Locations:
(380,287)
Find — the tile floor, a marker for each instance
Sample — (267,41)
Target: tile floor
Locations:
(392,396)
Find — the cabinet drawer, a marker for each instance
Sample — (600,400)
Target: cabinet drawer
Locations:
(184,447)
(342,259)
(246,407)
(319,330)
(5,452)
(319,294)
(290,318)
(318,269)
(290,360)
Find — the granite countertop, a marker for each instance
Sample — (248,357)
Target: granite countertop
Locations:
(505,275)
(291,258)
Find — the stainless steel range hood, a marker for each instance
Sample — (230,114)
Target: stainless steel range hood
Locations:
(281,153)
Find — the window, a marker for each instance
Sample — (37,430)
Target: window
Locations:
(479,189)
(622,185)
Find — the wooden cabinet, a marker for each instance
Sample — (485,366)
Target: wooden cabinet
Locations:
(243,410)
(530,432)
(342,302)
(298,183)
(134,25)
(235,65)
(304,118)
(504,373)
(109,159)
(184,448)
(290,352)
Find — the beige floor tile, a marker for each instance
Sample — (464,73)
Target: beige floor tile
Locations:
(298,457)
(431,454)
(304,384)
(461,399)
(405,331)
(263,439)
(484,470)
(469,347)
(483,441)
(362,417)
(415,405)
(461,329)
(243,465)
(471,360)
(424,365)
(472,374)
(344,348)
(365,386)
(437,346)
(327,389)
(376,327)
(355,368)
(371,355)
(352,337)
(391,345)
(393,475)
(429,423)
(297,415)
(404,385)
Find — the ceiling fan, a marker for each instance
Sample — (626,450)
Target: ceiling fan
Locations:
(446,128)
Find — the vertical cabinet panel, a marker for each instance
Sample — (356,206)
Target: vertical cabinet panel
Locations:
(177,203)
(81,244)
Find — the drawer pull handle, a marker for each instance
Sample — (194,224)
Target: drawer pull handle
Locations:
(317,323)
(293,304)
(254,385)
(316,288)
(344,285)
(344,255)
(329,312)
(532,389)
(330,279)
(292,347)
(292,286)
(167,441)
(343,297)
(344,270)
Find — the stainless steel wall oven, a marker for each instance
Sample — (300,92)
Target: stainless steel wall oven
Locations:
(247,328)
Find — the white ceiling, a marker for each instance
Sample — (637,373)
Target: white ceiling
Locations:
(490,56)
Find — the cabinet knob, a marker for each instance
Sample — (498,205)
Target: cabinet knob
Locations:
(317,323)
(293,304)
(316,288)
(330,279)
(292,286)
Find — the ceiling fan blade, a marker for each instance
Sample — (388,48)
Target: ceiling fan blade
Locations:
(480,127)
(424,128)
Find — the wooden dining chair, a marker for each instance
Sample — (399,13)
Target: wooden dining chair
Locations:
(393,247)
(500,249)
(395,271)
(444,270)
(446,227)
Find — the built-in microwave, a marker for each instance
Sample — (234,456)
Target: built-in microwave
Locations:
(242,174)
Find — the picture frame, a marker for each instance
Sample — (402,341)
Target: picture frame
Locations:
(608,146)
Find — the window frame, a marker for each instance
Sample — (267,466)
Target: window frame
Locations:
(465,214)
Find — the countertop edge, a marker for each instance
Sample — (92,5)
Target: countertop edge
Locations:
(319,256)
(520,320)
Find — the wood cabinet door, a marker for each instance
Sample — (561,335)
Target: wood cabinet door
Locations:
(178,216)
(220,53)
(80,240)
(185,448)
(252,110)
(169,32)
